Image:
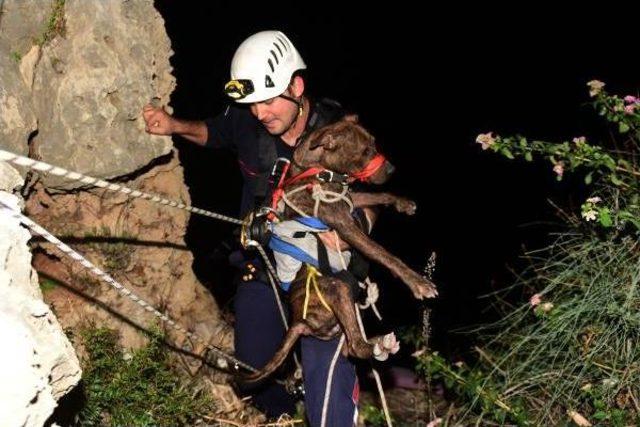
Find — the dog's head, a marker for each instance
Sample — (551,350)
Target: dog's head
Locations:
(347,148)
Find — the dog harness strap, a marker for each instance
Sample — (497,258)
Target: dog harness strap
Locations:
(279,191)
(371,168)
(312,277)
(323,256)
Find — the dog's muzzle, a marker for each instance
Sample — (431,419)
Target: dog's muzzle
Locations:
(389,168)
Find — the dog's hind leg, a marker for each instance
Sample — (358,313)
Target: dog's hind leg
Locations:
(290,338)
(338,296)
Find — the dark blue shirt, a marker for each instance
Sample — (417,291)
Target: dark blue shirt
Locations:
(238,130)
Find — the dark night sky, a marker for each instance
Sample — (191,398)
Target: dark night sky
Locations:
(425,83)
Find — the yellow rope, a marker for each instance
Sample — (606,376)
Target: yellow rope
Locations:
(312,277)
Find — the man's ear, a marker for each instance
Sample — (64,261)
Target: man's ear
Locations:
(296,88)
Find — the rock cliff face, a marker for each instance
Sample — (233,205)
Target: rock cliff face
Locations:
(37,363)
(74,76)
(84,76)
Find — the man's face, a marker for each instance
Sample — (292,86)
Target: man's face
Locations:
(276,114)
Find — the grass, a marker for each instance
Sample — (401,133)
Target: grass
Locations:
(47,284)
(55,25)
(573,353)
(135,388)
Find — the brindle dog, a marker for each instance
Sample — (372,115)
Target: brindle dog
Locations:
(346,148)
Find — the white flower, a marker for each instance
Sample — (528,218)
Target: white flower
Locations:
(486,140)
(590,215)
(546,307)
(595,87)
(594,200)
(419,352)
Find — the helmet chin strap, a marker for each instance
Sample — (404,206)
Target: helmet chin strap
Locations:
(299,103)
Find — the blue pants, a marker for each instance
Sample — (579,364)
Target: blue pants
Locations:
(343,401)
(258,335)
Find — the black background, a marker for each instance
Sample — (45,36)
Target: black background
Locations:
(425,83)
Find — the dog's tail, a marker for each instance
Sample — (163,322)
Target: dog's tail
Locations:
(290,339)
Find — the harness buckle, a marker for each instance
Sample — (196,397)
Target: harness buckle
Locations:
(279,170)
(331,176)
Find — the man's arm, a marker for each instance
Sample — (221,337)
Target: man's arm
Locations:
(159,122)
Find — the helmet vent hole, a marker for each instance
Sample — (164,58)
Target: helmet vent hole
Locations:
(278,47)
(284,45)
(268,82)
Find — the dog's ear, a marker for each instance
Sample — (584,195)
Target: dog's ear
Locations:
(353,118)
(325,141)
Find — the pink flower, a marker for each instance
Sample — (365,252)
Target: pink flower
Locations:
(535,300)
(486,140)
(579,140)
(629,99)
(559,168)
(629,109)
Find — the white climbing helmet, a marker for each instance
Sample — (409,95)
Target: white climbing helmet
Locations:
(262,67)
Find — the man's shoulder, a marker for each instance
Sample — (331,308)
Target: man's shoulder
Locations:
(239,112)
(230,127)
(328,105)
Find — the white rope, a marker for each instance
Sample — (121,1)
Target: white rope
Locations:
(273,276)
(372,288)
(373,293)
(385,407)
(88,180)
(376,376)
(318,194)
(357,308)
(327,390)
(120,288)
(288,202)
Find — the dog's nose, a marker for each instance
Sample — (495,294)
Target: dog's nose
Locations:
(389,168)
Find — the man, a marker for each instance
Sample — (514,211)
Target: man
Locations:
(270,116)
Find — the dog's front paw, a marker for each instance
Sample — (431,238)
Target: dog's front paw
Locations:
(421,286)
(405,206)
(384,346)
